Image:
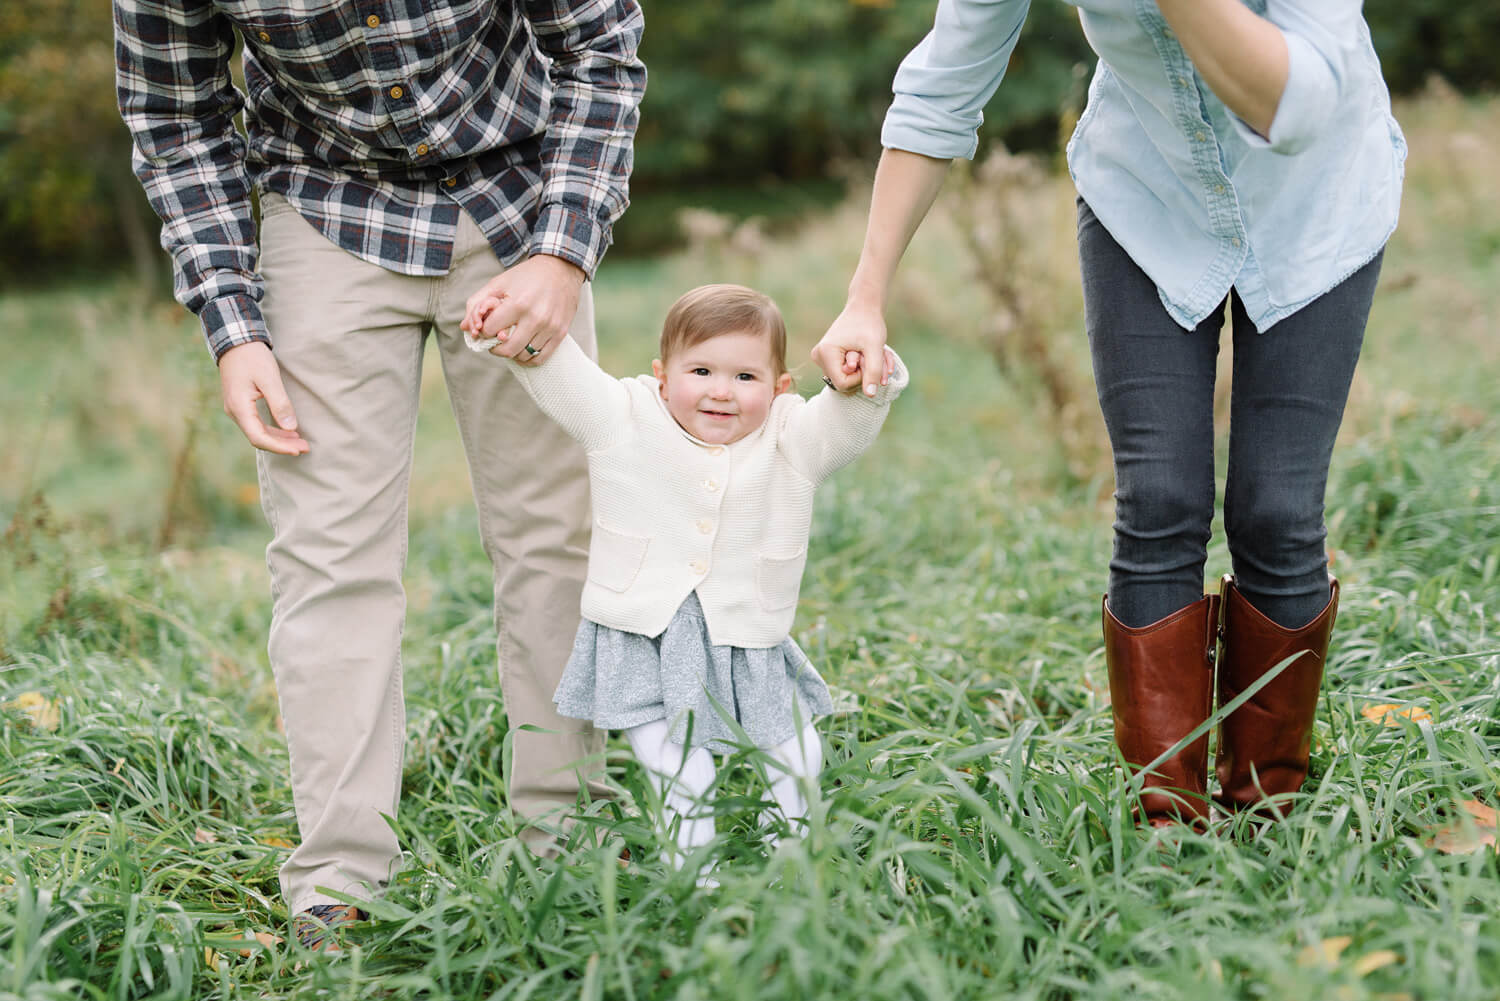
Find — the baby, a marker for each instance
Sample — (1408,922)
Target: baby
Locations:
(702,476)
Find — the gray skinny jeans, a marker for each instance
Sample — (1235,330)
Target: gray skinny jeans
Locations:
(1156,389)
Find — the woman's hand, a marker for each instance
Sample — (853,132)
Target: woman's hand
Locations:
(858,333)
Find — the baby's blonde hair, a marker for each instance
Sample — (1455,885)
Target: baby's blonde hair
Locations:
(710,311)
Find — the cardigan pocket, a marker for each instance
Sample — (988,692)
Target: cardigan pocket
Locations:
(778,579)
(615,558)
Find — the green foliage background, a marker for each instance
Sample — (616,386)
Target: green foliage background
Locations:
(746,95)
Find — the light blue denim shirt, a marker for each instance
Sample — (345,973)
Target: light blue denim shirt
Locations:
(1197,199)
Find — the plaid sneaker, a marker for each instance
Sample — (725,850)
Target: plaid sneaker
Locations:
(317,927)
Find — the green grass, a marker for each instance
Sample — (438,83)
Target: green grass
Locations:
(974,841)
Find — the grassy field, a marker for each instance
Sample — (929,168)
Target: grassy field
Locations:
(975,840)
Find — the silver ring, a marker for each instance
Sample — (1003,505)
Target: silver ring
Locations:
(533,351)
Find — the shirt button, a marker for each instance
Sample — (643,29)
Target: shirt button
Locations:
(397,93)
(422,149)
(264,36)
(710,485)
(698,566)
(451,181)
(705,526)
(372,21)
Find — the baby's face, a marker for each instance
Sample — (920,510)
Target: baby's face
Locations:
(721,389)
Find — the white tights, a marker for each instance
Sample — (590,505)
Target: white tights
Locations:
(683,777)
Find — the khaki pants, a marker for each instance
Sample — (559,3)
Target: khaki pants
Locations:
(349,338)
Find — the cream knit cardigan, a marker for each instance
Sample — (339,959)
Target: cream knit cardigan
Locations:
(673,513)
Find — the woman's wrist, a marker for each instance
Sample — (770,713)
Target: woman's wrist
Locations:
(866,295)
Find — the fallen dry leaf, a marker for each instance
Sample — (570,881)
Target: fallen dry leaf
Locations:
(1324,953)
(210,958)
(1372,961)
(40,711)
(204,837)
(1484,815)
(265,938)
(1459,841)
(1387,712)
(1327,953)
(277,843)
(1466,839)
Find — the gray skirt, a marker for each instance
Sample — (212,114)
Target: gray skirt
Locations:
(618,680)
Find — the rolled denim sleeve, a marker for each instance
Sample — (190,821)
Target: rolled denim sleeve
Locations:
(944,83)
(1321,38)
(178,102)
(598,83)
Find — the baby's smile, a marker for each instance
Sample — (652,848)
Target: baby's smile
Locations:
(720,390)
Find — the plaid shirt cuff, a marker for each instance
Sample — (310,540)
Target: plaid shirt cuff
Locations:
(230,321)
(573,236)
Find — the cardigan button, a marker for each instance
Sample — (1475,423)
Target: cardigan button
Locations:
(710,485)
(698,567)
(705,526)
(716,450)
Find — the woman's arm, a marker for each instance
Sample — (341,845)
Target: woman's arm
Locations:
(1281,74)
(1242,56)
(940,92)
(906,184)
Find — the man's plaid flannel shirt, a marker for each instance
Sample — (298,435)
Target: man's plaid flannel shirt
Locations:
(378,120)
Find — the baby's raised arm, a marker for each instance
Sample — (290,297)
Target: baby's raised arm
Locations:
(833,429)
(588,403)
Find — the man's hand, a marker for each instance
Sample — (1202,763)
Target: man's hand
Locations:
(531,307)
(858,334)
(248,372)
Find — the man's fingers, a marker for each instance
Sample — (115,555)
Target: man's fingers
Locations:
(278,440)
(513,341)
(537,347)
(543,352)
(278,402)
(243,412)
(496,321)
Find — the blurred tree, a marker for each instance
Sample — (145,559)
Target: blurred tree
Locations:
(66,189)
(1454,39)
(781,87)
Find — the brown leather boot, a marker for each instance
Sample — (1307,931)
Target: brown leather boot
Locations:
(1264,745)
(1161,687)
